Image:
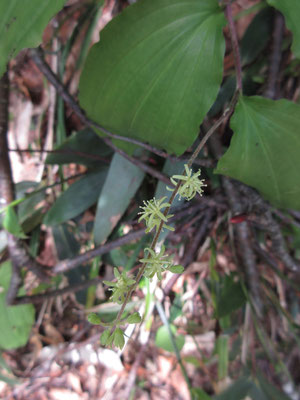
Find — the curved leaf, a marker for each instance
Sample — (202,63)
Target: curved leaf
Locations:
(122,182)
(156,71)
(77,198)
(291,11)
(22,24)
(265,149)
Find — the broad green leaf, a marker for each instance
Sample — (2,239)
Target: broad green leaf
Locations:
(265,149)
(84,147)
(156,71)
(15,321)
(21,25)
(11,223)
(122,182)
(77,198)
(163,339)
(291,11)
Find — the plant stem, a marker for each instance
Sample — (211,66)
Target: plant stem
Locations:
(215,126)
(235,47)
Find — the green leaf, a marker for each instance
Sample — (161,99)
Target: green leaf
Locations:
(11,223)
(94,319)
(84,147)
(28,206)
(22,25)
(156,71)
(119,340)
(122,182)
(104,337)
(291,11)
(265,149)
(270,390)
(237,391)
(231,298)
(77,198)
(223,356)
(199,394)
(15,321)
(163,339)
(176,269)
(134,318)
(257,35)
(67,246)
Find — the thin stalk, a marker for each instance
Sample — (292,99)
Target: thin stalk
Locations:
(235,48)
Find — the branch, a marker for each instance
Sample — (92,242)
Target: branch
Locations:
(193,248)
(38,58)
(275,58)
(69,264)
(18,254)
(235,48)
(264,210)
(243,234)
(39,298)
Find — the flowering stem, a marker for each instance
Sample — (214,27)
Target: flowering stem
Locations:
(202,143)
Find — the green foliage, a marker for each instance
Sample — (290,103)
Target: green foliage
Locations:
(176,269)
(15,321)
(77,198)
(120,287)
(291,11)
(156,263)
(135,318)
(147,78)
(94,319)
(11,223)
(237,391)
(153,215)
(257,35)
(22,25)
(114,200)
(84,147)
(265,149)
(191,184)
(154,76)
(164,341)
(230,297)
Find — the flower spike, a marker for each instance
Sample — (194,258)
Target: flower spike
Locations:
(191,184)
(153,215)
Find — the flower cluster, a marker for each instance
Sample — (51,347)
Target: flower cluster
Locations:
(120,287)
(153,215)
(191,184)
(156,263)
